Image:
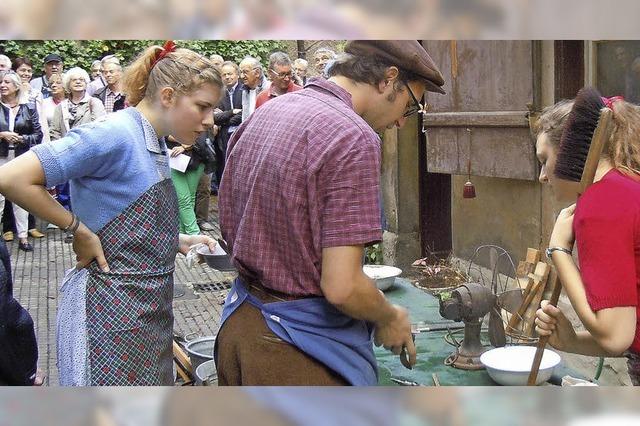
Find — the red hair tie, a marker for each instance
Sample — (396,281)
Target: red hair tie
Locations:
(169,46)
(608,102)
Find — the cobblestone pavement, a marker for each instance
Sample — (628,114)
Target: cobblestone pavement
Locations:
(198,292)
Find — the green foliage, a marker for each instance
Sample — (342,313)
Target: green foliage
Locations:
(373,254)
(83,52)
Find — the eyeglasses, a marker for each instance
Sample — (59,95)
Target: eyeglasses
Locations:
(417,106)
(282,75)
(244,72)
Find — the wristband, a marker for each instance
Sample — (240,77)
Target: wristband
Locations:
(73,226)
(550,250)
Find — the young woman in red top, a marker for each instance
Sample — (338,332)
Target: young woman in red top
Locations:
(605,225)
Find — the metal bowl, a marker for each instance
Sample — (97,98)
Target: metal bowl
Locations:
(206,374)
(219,262)
(383,275)
(511,365)
(200,350)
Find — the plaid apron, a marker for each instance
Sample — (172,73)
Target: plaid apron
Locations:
(129,310)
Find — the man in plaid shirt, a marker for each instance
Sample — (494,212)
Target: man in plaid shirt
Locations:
(299,200)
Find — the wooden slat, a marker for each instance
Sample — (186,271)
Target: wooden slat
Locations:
(477,119)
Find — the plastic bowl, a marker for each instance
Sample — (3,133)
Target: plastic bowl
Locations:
(511,365)
(215,261)
(383,275)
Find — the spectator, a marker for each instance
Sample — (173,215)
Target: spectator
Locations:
(300,70)
(254,83)
(111,95)
(24,68)
(216,60)
(5,63)
(52,63)
(97,80)
(227,117)
(321,57)
(19,131)
(57,95)
(186,183)
(48,108)
(96,69)
(281,78)
(203,192)
(79,108)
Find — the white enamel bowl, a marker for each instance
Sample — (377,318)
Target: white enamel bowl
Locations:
(383,275)
(511,365)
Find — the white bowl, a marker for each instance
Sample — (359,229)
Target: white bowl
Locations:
(383,275)
(511,365)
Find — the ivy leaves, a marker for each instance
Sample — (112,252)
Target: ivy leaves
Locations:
(82,53)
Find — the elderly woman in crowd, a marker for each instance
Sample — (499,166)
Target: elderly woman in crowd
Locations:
(24,68)
(78,108)
(19,131)
(57,95)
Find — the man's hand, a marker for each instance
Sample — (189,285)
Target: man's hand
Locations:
(395,334)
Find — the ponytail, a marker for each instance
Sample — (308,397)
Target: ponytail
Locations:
(136,76)
(623,147)
(181,69)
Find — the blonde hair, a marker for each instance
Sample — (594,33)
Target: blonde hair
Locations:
(551,121)
(182,70)
(22,94)
(623,147)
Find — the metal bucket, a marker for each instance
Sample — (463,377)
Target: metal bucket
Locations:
(206,374)
(200,350)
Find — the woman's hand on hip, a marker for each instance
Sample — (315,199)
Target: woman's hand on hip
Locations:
(88,248)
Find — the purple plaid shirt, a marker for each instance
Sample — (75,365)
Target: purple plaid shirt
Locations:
(301,174)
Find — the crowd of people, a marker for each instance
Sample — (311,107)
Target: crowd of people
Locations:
(297,171)
(59,100)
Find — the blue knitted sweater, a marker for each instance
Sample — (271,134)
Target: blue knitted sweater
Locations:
(109,164)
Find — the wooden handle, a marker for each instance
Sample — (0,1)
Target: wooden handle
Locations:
(542,342)
(600,137)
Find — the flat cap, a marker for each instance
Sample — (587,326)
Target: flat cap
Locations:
(406,54)
(52,57)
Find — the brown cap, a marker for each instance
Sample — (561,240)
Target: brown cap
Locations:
(406,54)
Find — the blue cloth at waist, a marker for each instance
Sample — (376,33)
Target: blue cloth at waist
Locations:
(317,328)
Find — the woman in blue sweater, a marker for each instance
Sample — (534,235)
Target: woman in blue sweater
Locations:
(115,317)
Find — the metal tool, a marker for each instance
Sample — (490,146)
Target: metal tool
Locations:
(403,382)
